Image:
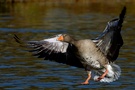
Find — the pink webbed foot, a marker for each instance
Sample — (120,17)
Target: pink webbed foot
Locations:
(87,80)
(85,83)
(103,75)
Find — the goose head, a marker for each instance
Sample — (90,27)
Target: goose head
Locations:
(66,38)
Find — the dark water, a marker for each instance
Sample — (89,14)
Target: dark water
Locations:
(35,21)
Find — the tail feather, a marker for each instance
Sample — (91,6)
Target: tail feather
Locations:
(113,74)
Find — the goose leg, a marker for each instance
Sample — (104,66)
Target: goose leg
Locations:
(88,78)
(103,75)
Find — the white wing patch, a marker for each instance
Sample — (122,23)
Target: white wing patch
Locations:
(57,45)
(50,45)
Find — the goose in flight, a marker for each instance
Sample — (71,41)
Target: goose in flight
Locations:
(96,56)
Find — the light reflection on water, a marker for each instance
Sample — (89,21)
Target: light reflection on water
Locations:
(19,70)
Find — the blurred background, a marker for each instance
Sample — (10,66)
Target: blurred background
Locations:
(39,19)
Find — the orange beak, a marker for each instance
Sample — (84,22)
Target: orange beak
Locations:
(61,38)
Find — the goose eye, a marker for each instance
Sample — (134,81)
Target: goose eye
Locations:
(64,35)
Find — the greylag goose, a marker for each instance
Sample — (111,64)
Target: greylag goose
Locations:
(96,56)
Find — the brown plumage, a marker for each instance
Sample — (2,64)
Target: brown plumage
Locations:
(97,55)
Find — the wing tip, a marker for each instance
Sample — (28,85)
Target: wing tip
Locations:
(17,39)
(122,15)
(123,12)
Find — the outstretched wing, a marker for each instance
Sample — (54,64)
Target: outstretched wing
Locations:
(110,41)
(54,50)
